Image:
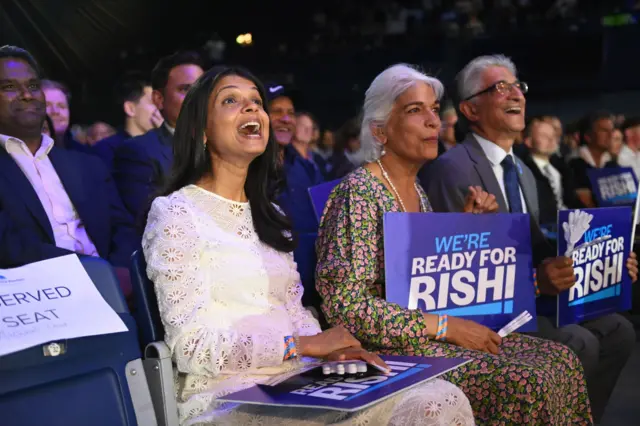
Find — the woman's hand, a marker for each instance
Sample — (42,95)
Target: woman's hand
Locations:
(632,267)
(471,335)
(321,345)
(479,201)
(357,353)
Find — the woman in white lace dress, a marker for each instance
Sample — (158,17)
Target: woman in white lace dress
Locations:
(219,254)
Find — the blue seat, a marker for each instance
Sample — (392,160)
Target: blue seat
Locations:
(144,297)
(319,195)
(96,380)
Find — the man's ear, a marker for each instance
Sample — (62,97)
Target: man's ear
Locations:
(377,130)
(129,109)
(158,99)
(469,110)
(528,142)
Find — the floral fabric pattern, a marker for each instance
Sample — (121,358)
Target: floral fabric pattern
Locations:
(531,381)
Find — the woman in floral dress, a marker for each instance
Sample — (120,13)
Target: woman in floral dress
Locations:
(515,380)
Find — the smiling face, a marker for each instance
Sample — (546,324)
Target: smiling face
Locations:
(237,124)
(58,109)
(283,119)
(304,129)
(411,131)
(22,102)
(498,115)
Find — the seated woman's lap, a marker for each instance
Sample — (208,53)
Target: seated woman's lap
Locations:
(531,379)
(434,403)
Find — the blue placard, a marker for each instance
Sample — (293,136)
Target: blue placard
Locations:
(474,266)
(614,186)
(312,389)
(601,246)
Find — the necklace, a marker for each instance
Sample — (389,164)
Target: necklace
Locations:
(423,208)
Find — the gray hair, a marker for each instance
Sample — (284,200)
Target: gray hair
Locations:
(380,98)
(469,80)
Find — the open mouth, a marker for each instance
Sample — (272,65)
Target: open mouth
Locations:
(513,111)
(251,129)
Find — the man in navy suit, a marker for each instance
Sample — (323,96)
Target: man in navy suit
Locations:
(134,95)
(141,164)
(53,201)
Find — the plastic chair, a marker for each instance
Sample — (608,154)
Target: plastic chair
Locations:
(157,357)
(96,380)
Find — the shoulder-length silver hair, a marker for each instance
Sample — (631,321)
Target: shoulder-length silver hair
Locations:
(380,98)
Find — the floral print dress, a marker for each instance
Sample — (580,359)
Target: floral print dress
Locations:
(531,381)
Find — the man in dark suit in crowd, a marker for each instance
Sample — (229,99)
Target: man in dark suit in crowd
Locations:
(53,201)
(555,191)
(140,116)
(493,102)
(141,163)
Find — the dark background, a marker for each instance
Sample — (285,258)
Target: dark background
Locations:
(571,66)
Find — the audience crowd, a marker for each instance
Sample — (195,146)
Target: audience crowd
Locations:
(209,176)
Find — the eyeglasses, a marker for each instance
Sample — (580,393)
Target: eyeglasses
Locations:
(503,88)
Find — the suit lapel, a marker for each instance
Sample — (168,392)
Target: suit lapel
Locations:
(21,186)
(529,190)
(483,167)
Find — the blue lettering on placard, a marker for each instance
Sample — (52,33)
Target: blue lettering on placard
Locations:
(594,233)
(462,242)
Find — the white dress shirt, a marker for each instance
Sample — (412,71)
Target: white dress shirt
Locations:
(68,230)
(171,130)
(629,158)
(495,155)
(585,154)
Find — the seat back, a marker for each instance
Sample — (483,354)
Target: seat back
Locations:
(146,312)
(319,195)
(95,380)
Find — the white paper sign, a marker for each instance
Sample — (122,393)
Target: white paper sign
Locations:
(51,300)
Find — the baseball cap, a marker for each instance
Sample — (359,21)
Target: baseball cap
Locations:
(276,90)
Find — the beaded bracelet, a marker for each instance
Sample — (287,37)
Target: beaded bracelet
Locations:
(441,334)
(290,348)
(535,282)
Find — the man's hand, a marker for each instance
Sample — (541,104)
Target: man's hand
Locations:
(632,267)
(555,275)
(479,201)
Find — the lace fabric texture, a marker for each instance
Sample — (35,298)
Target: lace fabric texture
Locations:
(227,301)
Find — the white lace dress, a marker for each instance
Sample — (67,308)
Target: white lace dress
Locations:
(227,301)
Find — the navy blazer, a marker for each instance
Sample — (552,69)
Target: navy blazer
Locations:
(140,166)
(447,182)
(25,231)
(301,174)
(107,147)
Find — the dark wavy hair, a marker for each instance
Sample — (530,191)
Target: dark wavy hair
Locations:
(191,162)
